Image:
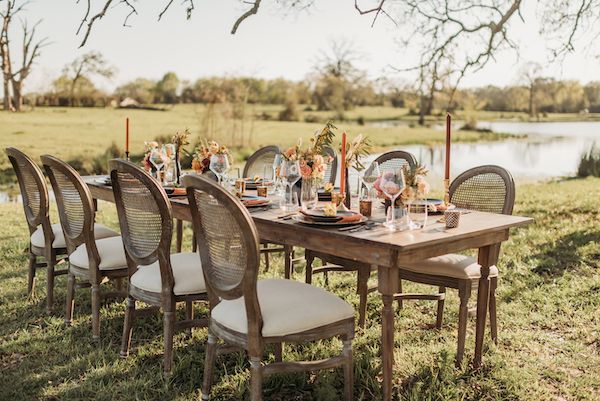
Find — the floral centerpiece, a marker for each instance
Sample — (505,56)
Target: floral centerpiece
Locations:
(313,163)
(204,151)
(416,185)
(149,146)
(356,149)
(179,140)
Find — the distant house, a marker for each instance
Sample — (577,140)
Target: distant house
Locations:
(129,102)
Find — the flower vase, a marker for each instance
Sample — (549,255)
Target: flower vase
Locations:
(309,193)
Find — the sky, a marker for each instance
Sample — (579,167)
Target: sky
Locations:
(270,44)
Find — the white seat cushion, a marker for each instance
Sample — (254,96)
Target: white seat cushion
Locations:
(110,250)
(450,265)
(187,273)
(287,307)
(37,238)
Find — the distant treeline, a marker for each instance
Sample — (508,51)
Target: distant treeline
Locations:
(329,91)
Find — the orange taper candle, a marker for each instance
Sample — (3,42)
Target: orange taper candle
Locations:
(343,170)
(127,135)
(448,129)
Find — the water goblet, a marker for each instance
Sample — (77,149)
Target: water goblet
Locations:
(219,164)
(392,185)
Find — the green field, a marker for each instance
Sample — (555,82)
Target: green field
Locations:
(83,133)
(549,341)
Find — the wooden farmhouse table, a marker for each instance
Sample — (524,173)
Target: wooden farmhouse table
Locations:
(386,250)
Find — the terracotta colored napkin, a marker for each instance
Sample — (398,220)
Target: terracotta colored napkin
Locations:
(353,218)
(179,191)
(251,202)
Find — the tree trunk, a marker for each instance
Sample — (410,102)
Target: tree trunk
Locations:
(531,93)
(17,95)
(422,111)
(7,104)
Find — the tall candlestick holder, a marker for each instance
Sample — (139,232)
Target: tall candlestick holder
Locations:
(127,155)
(446,191)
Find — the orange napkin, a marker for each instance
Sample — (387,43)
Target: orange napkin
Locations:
(179,191)
(353,218)
(250,202)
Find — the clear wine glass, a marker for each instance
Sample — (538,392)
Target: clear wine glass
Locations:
(392,185)
(219,164)
(157,158)
(370,176)
(290,170)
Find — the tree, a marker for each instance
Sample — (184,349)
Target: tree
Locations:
(141,89)
(530,74)
(30,52)
(86,66)
(167,89)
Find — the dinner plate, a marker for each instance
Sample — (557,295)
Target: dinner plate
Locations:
(105,180)
(300,218)
(260,202)
(251,184)
(318,214)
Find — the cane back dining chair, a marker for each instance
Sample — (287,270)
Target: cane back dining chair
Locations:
(156,277)
(390,160)
(249,313)
(46,240)
(255,166)
(485,189)
(91,258)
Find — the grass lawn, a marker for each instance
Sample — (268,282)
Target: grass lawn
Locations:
(549,346)
(83,133)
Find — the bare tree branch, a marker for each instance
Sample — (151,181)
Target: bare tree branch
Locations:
(247,14)
(90,24)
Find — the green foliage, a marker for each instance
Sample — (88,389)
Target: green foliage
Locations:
(547,310)
(589,165)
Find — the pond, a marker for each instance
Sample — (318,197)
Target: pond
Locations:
(551,149)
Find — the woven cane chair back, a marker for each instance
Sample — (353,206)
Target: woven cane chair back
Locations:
(34,190)
(263,157)
(485,189)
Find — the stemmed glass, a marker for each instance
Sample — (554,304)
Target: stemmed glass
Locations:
(157,158)
(290,170)
(392,185)
(219,164)
(370,176)
(278,186)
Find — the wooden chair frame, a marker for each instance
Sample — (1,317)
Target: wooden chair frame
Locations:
(23,165)
(254,342)
(464,286)
(336,264)
(166,299)
(330,152)
(93,276)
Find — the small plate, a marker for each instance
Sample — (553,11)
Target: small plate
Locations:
(299,218)
(256,201)
(251,184)
(103,180)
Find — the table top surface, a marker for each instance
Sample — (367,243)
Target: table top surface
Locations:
(472,224)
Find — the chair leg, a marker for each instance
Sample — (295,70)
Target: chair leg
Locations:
(70,299)
(309,262)
(31,274)
(189,313)
(348,371)
(128,326)
(288,253)
(278,352)
(400,292)
(209,364)
(256,378)
(440,310)
(194,244)
(493,318)
(464,293)
(267,261)
(362,288)
(50,263)
(169,331)
(96,311)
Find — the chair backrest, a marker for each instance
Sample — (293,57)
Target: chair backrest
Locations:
(228,243)
(258,160)
(75,205)
(331,171)
(395,160)
(145,218)
(34,192)
(485,189)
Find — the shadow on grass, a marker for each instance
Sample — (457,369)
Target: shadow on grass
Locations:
(564,254)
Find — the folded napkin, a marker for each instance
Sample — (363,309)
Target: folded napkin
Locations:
(353,218)
(179,191)
(250,202)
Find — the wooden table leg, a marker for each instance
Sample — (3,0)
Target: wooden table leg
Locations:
(388,286)
(487,257)
(179,229)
